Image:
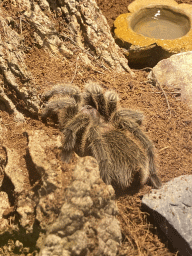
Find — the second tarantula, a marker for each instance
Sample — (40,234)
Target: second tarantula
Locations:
(93,123)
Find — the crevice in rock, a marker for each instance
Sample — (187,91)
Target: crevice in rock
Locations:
(3,156)
(8,187)
(20,104)
(27,240)
(53,4)
(34,176)
(30,239)
(13,101)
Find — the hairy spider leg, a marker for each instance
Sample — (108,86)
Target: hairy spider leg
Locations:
(94,120)
(67,113)
(93,96)
(63,89)
(53,107)
(131,114)
(133,127)
(111,103)
(70,131)
(100,151)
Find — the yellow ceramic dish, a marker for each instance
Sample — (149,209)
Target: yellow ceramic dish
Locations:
(128,26)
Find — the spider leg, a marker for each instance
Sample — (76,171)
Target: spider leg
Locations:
(136,116)
(63,89)
(111,102)
(93,96)
(130,114)
(59,97)
(67,112)
(70,131)
(123,122)
(53,107)
(100,151)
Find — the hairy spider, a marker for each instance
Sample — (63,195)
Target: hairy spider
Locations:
(93,123)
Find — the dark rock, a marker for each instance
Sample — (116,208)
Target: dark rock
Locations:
(171,207)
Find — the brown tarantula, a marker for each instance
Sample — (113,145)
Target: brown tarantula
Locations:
(93,123)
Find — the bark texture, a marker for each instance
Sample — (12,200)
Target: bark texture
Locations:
(90,30)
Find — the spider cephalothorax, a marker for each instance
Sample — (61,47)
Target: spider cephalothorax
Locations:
(93,123)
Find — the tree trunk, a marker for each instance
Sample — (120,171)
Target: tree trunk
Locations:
(89,29)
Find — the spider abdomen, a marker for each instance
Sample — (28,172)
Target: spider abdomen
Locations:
(127,158)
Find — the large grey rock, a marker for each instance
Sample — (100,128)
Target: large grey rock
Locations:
(171,207)
(176,73)
(87,224)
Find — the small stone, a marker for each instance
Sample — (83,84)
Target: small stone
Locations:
(18,244)
(26,249)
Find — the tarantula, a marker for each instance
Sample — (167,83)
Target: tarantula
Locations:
(93,123)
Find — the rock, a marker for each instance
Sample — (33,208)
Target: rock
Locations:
(27,204)
(171,207)
(48,207)
(18,177)
(4,204)
(15,71)
(176,73)
(36,194)
(40,148)
(3,160)
(25,208)
(11,107)
(39,143)
(87,224)
(14,171)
